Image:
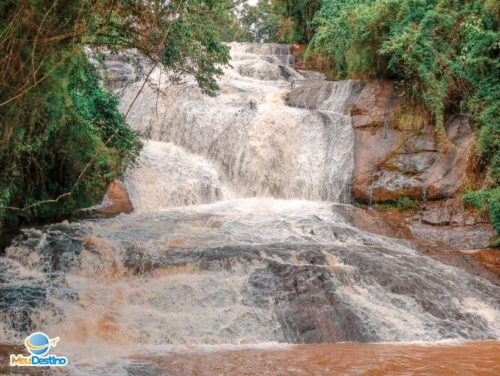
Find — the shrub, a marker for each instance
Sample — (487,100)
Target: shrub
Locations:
(73,140)
(444,53)
(404,203)
(486,200)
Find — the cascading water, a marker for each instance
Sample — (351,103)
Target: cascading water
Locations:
(166,175)
(241,270)
(262,146)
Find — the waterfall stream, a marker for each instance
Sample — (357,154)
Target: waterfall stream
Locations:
(260,146)
(238,237)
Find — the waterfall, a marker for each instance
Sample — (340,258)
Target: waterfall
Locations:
(237,271)
(239,236)
(167,175)
(259,144)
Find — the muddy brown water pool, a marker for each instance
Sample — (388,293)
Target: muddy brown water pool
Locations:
(468,358)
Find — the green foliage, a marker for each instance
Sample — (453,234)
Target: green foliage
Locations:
(70,122)
(260,21)
(444,52)
(284,21)
(404,203)
(487,200)
(62,139)
(495,242)
(301,14)
(98,110)
(190,42)
(228,22)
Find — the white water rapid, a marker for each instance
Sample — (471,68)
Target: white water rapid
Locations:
(239,238)
(258,144)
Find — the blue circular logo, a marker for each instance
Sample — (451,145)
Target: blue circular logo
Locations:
(38,344)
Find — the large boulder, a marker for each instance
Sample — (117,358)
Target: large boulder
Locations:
(393,161)
(116,201)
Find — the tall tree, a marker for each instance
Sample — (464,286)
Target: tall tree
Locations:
(260,21)
(62,138)
(301,14)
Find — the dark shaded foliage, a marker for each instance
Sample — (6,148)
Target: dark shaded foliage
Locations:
(62,139)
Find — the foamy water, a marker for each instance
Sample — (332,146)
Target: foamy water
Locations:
(257,143)
(238,249)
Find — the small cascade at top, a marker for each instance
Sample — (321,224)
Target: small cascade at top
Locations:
(258,144)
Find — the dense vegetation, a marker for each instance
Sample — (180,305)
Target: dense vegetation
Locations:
(259,23)
(62,137)
(443,52)
(283,21)
(297,19)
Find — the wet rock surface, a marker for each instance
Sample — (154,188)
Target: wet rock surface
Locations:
(489,258)
(448,223)
(410,165)
(441,229)
(247,270)
(390,162)
(454,237)
(116,201)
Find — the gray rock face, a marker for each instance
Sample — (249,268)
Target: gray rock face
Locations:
(463,237)
(449,213)
(447,174)
(391,164)
(449,226)
(319,94)
(384,167)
